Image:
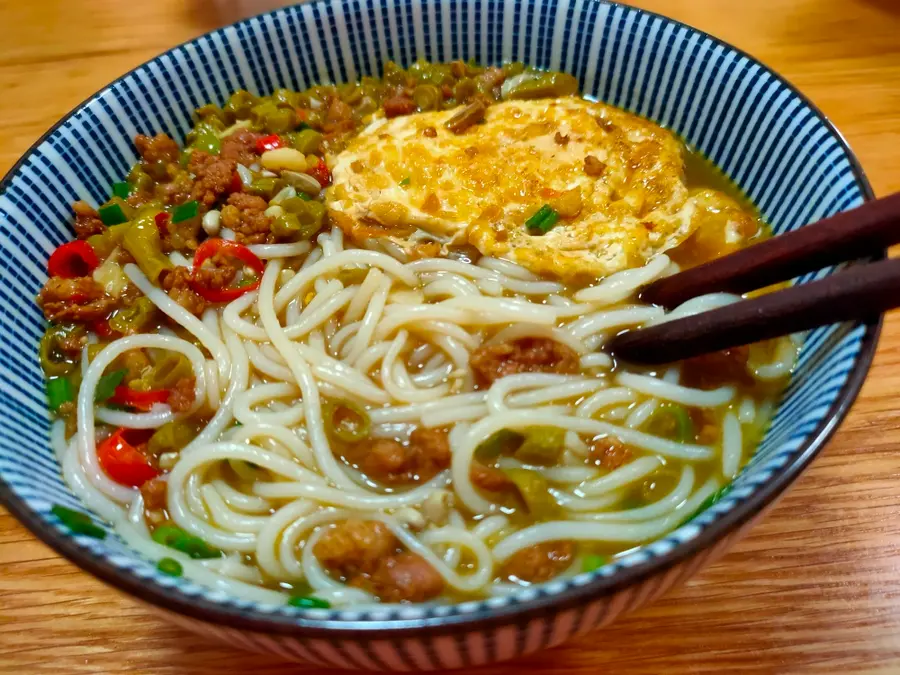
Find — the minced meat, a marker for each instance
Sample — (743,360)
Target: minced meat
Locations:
(525,355)
(213,176)
(240,147)
(181,397)
(540,562)
(245,216)
(389,461)
(159,148)
(87,220)
(609,453)
(78,300)
(405,577)
(355,546)
(176,283)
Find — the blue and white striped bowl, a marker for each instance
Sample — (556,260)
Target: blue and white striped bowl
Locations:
(775,144)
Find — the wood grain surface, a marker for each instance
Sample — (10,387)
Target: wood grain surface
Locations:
(815,588)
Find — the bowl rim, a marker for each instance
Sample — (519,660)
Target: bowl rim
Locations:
(170,599)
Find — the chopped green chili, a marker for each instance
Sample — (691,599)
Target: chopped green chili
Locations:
(106,385)
(543,220)
(59,391)
(672,421)
(542,445)
(308,602)
(346,420)
(185,211)
(142,240)
(171,437)
(178,539)
(53,361)
(134,319)
(78,522)
(593,562)
(306,141)
(112,214)
(535,492)
(503,442)
(121,189)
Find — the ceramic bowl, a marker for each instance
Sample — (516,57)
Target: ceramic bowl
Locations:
(760,130)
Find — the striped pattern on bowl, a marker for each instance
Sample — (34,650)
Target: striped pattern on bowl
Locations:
(755,126)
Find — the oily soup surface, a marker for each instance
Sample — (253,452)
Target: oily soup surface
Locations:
(346,346)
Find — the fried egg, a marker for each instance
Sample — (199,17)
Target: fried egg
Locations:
(616,180)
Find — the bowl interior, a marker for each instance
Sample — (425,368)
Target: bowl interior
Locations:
(751,123)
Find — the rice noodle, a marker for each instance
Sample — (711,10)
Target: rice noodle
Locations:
(264,477)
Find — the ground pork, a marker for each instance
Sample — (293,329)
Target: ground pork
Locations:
(245,216)
(388,461)
(525,355)
(87,220)
(405,577)
(213,177)
(609,453)
(181,397)
(240,147)
(540,562)
(355,547)
(78,300)
(176,283)
(159,148)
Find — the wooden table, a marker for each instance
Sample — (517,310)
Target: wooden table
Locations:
(815,588)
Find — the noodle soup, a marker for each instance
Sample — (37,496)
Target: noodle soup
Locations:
(346,346)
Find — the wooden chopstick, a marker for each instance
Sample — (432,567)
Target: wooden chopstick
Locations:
(853,234)
(859,292)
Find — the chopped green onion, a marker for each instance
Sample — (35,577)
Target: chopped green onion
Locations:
(305,197)
(59,391)
(185,211)
(106,385)
(593,562)
(248,280)
(308,602)
(543,219)
(112,214)
(346,420)
(78,522)
(121,189)
(302,126)
(178,539)
(170,567)
(404,182)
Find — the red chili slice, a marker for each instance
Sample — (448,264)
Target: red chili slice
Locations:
(271,142)
(232,249)
(162,222)
(102,328)
(321,173)
(140,400)
(236,185)
(122,461)
(73,259)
